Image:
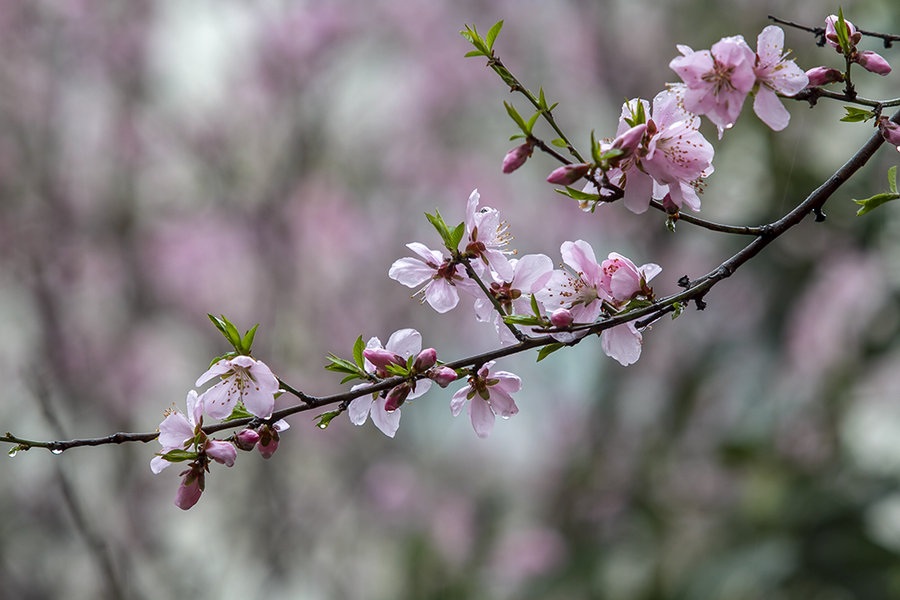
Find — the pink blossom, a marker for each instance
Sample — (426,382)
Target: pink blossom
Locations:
(623,280)
(246,439)
(178,430)
(489,394)
(823,76)
(425,360)
(775,75)
(629,140)
(441,278)
(269,438)
(487,235)
(676,157)
(516,157)
(717,80)
(402,344)
(530,274)
(242,379)
(561,317)
(396,397)
(622,343)
(581,290)
(222,452)
(872,61)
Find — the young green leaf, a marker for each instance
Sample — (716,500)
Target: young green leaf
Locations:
(870,204)
(247,340)
(578,194)
(492,34)
(515,116)
(892,178)
(456,236)
(325,418)
(358,346)
(438,222)
(855,115)
(559,143)
(679,308)
(472,53)
(548,350)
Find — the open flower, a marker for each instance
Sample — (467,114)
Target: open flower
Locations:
(717,80)
(178,430)
(775,75)
(243,379)
(488,394)
(440,276)
(402,344)
(529,274)
(488,236)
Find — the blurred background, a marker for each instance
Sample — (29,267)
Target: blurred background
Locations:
(269,160)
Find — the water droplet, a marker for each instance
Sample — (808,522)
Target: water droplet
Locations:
(56,451)
(322,425)
(13,452)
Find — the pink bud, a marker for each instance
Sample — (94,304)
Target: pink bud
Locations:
(396,397)
(823,76)
(381,358)
(561,317)
(873,62)
(443,376)
(630,140)
(890,131)
(568,174)
(190,489)
(831,37)
(516,157)
(425,360)
(221,452)
(267,450)
(246,439)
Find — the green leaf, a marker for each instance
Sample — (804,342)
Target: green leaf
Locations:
(610,154)
(532,121)
(339,365)
(226,355)
(535,308)
(578,194)
(492,34)
(548,350)
(870,204)
(892,178)
(560,143)
(325,418)
(637,303)
(472,53)
(220,325)
(841,30)
(523,320)
(238,412)
(515,116)
(679,308)
(855,115)
(456,236)
(247,340)
(351,378)
(595,148)
(178,455)
(396,370)
(518,136)
(542,101)
(358,346)
(440,226)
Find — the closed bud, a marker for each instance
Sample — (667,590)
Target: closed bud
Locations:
(443,376)
(246,439)
(221,452)
(516,157)
(425,360)
(823,76)
(268,441)
(873,62)
(191,488)
(396,397)
(381,358)
(561,317)
(630,140)
(568,174)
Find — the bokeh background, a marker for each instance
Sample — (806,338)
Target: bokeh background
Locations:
(269,160)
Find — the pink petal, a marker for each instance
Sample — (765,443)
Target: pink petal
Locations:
(411,272)
(174,431)
(387,422)
(471,208)
(502,402)
(219,400)
(358,409)
(441,296)
(622,343)
(222,452)
(532,272)
(769,109)
(404,342)
(580,256)
(158,463)
(459,400)
(769,45)
(482,416)
(219,368)
(638,191)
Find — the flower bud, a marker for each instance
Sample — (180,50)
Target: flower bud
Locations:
(561,317)
(381,358)
(890,131)
(425,360)
(268,441)
(443,376)
(221,452)
(190,489)
(396,397)
(823,76)
(246,439)
(853,36)
(630,140)
(568,174)
(873,62)
(516,157)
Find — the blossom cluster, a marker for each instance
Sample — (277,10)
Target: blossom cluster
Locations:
(244,383)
